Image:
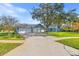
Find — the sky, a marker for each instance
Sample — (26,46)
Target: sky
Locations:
(22,10)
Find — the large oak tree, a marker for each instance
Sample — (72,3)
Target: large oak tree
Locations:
(48,13)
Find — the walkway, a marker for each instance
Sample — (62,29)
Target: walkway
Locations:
(39,46)
(11,41)
(67,37)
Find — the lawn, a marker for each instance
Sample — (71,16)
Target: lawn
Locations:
(6,47)
(10,36)
(64,34)
(73,42)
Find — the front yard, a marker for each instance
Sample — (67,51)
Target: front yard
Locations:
(64,34)
(6,47)
(72,42)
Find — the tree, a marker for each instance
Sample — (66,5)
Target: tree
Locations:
(48,14)
(54,13)
(71,17)
(8,23)
(60,14)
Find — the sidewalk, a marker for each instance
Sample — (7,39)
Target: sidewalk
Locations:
(67,37)
(11,41)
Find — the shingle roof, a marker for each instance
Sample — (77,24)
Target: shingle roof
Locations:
(29,26)
(38,26)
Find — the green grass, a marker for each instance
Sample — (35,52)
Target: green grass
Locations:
(6,47)
(73,42)
(64,34)
(10,36)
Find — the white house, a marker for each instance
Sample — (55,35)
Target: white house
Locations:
(29,28)
(53,28)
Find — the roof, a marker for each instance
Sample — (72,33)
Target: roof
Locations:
(29,26)
(38,26)
(23,26)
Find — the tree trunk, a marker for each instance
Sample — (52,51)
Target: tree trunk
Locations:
(58,28)
(46,30)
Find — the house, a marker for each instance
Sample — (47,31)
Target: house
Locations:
(38,28)
(34,28)
(23,28)
(66,27)
(75,25)
(71,26)
(29,28)
(53,28)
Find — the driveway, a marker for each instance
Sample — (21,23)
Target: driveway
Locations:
(39,46)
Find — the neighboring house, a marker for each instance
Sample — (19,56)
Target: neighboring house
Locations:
(72,27)
(75,25)
(66,26)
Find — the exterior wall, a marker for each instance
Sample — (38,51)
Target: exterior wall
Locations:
(21,30)
(30,30)
(38,30)
(53,28)
(75,26)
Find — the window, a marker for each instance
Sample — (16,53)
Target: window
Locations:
(50,29)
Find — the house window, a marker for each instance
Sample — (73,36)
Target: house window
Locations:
(50,29)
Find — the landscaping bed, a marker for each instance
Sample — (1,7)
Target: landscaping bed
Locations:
(6,47)
(64,34)
(72,42)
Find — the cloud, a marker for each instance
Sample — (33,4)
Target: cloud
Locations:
(21,9)
(8,5)
(10,9)
(13,10)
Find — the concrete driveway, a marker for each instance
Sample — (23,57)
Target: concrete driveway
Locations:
(39,46)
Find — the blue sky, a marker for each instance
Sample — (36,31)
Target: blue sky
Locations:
(22,10)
